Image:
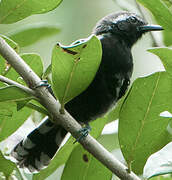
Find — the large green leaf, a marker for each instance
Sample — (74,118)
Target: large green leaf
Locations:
(82,165)
(142,131)
(11,119)
(74,67)
(161,12)
(6,166)
(166,57)
(16,10)
(33,33)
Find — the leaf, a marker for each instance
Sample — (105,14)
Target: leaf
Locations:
(6,166)
(37,107)
(161,12)
(74,67)
(3,64)
(63,154)
(159,163)
(10,42)
(142,130)
(33,33)
(82,165)
(109,141)
(15,10)
(162,178)
(11,119)
(35,63)
(47,72)
(167,38)
(165,54)
(13,93)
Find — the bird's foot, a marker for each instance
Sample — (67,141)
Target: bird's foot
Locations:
(43,83)
(83,132)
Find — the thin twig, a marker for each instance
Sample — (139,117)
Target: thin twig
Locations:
(11,82)
(70,124)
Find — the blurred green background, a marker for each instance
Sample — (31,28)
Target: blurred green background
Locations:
(76,19)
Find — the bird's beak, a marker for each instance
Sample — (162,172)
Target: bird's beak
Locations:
(146,28)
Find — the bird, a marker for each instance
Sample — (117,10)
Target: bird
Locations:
(117,32)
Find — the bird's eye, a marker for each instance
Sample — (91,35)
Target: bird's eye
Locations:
(133,19)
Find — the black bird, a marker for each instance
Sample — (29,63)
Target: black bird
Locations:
(117,33)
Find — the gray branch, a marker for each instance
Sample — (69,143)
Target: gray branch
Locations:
(66,120)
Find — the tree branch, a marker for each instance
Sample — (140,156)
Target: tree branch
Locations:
(53,106)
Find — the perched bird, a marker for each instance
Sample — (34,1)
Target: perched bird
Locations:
(117,33)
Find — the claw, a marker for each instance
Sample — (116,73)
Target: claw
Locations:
(83,132)
(43,83)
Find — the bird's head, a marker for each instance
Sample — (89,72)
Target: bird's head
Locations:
(127,26)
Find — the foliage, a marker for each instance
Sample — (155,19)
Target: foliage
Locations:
(144,120)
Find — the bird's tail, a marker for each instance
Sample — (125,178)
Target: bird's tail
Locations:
(36,150)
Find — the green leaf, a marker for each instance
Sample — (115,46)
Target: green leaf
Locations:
(167,38)
(6,166)
(34,61)
(13,93)
(142,131)
(74,67)
(47,72)
(109,141)
(33,33)
(15,10)
(82,165)
(165,54)
(3,64)
(37,107)
(161,12)
(11,119)
(161,178)
(10,42)
(159,163)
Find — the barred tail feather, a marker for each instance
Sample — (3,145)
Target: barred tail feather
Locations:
(36,150)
